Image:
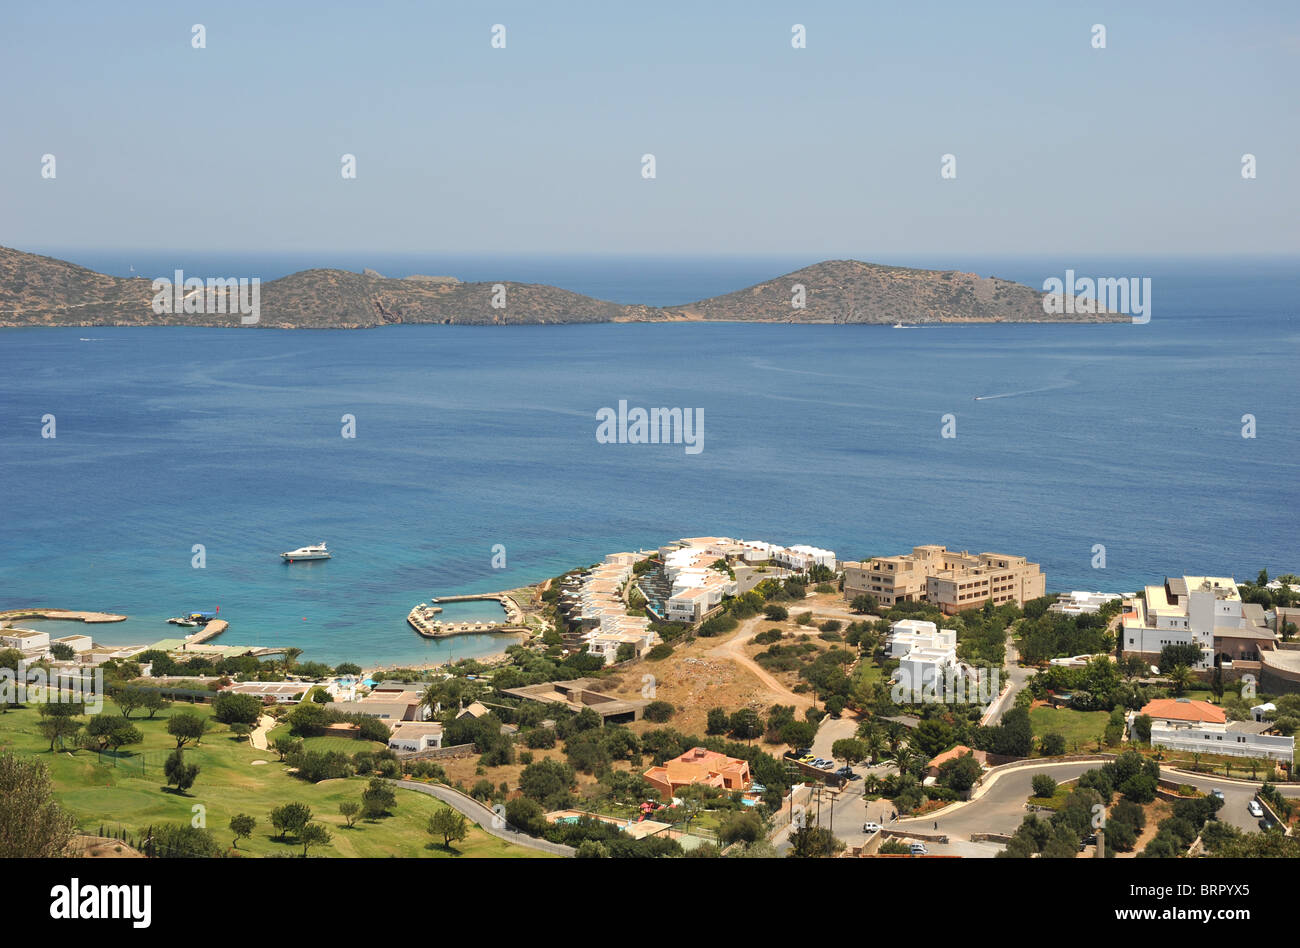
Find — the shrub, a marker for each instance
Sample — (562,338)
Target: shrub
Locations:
(540,738)
(1053,744)
(658,711)
(1044,785)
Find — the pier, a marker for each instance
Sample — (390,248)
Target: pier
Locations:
(68,614)
(513,612)
(422,620)
(210,631)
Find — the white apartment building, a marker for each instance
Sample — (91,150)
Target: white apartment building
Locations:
(908,634)
(1205,611)
(1080,603)
(925,652)
(801,557)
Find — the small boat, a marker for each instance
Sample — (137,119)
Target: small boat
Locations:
(180,621)
(315,551)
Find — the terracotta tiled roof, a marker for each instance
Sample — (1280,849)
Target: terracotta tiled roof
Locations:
(1171,709)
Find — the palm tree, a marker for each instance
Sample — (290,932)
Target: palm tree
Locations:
(291,656)
(1180,676)
(875,745)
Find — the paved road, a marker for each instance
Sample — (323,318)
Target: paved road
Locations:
(484,817)
(1017,677)
(1001,807)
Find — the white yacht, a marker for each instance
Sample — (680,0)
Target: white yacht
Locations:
(316,551)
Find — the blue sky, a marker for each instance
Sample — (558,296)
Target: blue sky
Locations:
(832,150)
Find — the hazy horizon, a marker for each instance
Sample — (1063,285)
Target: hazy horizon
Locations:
(828,151)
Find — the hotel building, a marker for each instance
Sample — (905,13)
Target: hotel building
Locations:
(952,581)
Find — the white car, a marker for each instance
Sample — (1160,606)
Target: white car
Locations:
(1254,808)
(871,828)
(918,849)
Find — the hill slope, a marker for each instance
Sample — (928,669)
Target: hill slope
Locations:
(43,291)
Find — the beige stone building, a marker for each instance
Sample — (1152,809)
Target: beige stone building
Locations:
(951,580)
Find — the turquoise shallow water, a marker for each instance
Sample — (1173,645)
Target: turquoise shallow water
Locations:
(1121,435)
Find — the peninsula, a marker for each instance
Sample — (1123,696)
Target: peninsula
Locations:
(43,291)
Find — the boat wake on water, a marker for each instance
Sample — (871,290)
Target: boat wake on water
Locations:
(1029,391)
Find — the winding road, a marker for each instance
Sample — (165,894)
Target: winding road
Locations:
(485,818)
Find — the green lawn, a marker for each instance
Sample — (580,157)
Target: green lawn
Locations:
(1057,800)
(130,794)
(867,672)
(1077,727)
(325,743)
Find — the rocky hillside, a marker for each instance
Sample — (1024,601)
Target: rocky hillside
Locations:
(42,291)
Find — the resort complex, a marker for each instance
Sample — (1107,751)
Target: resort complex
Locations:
(725,696)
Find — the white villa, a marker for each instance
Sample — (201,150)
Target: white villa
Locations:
(1200,727)
(1080,603)
(927,654)
(415,735)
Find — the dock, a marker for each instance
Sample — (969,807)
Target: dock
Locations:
(210,631)
(68,614)
(422,620)
(219,651)
(513,612)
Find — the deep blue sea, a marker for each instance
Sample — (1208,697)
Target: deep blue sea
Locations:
(1122,435)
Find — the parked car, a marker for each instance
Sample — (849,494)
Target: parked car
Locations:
(819,762)
(871,827)
(918,849)
(806,759)
(1216,792)
(853,776)
(1266,824)
(828,765)
(1254,808)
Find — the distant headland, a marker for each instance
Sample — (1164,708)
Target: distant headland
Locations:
(44,291)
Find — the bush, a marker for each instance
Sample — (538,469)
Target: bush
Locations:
(1140,788)
(658,711)
(1044,785)
(231,708)
(1052,745)
(526,816)
(540,738)
(659,652)
(776,613)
